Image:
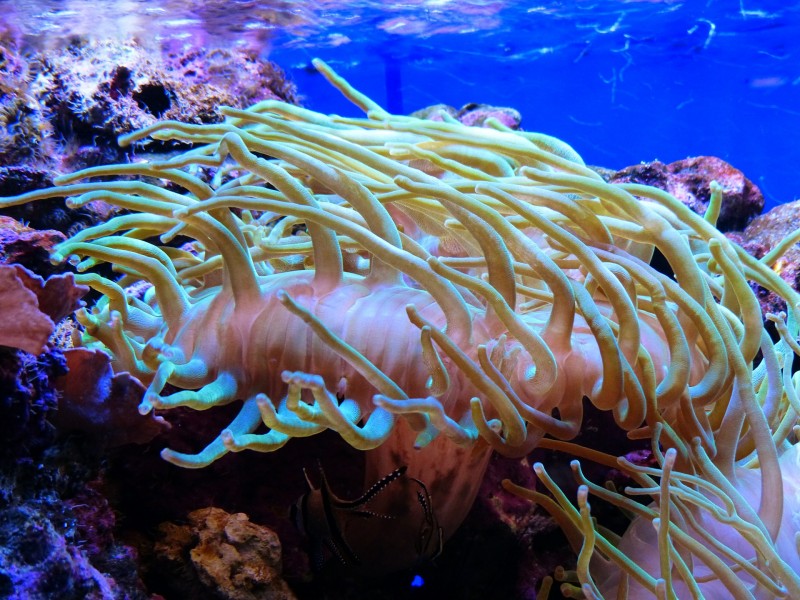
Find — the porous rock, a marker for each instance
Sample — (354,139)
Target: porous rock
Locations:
(689,180)
(232,558)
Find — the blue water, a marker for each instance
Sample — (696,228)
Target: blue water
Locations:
(622,81)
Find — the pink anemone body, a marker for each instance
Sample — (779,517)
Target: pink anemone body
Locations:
(428,291)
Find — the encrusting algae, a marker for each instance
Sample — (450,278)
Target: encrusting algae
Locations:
(433,292)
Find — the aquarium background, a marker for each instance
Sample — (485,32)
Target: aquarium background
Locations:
(623,81)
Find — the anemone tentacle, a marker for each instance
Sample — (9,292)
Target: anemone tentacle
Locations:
(431,292)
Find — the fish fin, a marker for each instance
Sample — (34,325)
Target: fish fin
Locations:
(342,551)
(430,526)
(367,514)
(374,490)
(317,556)
(310,483)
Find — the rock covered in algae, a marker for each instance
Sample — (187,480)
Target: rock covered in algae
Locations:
(689,180)
(761,236)
(62,109)
(472,114)
(28,247)
(232,558)
(57,527)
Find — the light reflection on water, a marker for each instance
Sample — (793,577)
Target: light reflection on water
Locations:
(242,22)
(45,23)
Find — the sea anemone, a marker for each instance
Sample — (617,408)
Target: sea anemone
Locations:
(432,291)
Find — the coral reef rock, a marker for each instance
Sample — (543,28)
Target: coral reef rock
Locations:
(689,180)
(23,245)
(233,558)
(762,235)
(472,114)
(94,400)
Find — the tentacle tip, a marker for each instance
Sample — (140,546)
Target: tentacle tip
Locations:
(656,522)
(530,373)
(187,461)
(495,425)
(384,402)
(229,441)
(173,457)
(73,259)
(423,439)
(115,319)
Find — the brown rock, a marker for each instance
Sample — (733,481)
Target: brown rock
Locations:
(94,90)
(472,114)
(689,180)
(22,324)
(762,235)
(232,557)
(30,306)
(476,115)
(102,404)
(26,246)
(57,296)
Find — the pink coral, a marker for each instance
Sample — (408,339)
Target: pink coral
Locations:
(30,306)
